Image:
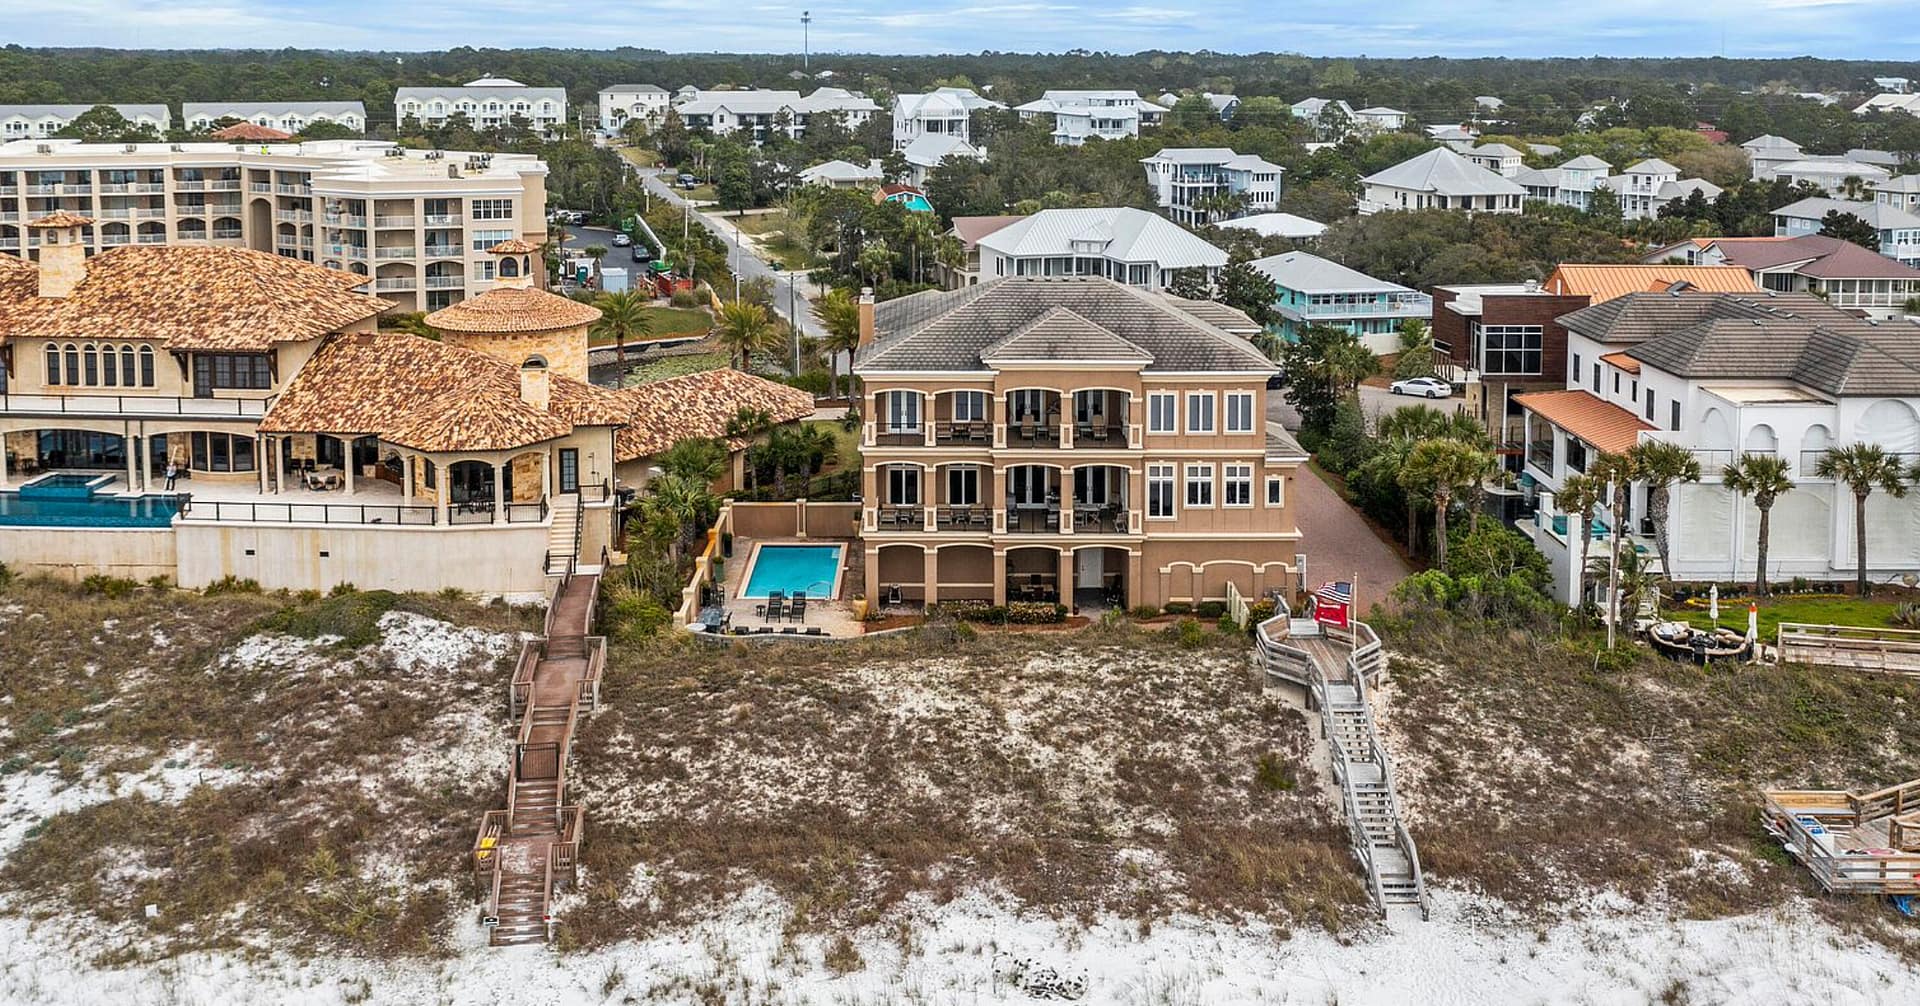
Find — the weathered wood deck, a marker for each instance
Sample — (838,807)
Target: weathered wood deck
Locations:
(1854,843)
(522,852)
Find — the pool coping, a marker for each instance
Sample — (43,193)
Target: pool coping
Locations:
(753,560)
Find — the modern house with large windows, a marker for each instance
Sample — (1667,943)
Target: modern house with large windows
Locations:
(1724,375)
(418,222)
(201,413)
(1197,185)
(1073,440)
(1310,290)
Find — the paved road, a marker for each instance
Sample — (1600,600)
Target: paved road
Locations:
(747,264)
(1374,402)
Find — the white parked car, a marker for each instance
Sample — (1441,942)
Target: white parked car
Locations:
(622,240)
(1422,387)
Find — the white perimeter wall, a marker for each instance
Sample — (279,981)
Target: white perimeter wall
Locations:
(485,560)
(71,553)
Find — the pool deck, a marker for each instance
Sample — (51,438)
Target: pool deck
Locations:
(833,615)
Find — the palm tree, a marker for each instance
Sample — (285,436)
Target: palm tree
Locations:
(1581,495)
(839,314)
(1763,477)
(1662,466)
(623,316)
(1620,471)
(950,253)
(744,330)
(682,503)
(919,231)
(875,260)
(699,458)
(1442,468)
(1863,467)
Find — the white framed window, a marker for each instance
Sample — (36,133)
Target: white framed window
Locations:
(1239,412)
(963,485)
(903,411)
(493,209)
(1276,491)
(1236,484)
(969,406)
(483,240)
(1160,491)
(1199,412)
(1160,412)
(1199,486)
(903,486)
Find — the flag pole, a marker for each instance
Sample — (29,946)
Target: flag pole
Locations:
(1353,617)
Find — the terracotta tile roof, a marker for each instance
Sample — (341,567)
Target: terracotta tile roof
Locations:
(700,405)
(1605,282)
(431,396)
(1604,426)
(61,218)
(1622,361)
(195,298)
(513,309)
(251,131)
(971,229)
(19,288)
(514,246)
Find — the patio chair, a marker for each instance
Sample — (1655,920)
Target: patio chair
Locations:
(813,630)
(799,609)
(1053,520)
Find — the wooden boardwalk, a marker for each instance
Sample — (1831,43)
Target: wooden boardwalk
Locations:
(524,851)
(1855,843)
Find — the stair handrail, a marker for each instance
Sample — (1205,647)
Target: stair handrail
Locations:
(493,900)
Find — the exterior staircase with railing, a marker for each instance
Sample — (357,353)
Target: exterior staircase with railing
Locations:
(1335,667)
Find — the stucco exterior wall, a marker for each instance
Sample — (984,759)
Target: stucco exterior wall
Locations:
(489,560)
(72,553)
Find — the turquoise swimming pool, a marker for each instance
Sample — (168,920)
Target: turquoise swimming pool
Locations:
(913,201)
(812,570)
(70,500)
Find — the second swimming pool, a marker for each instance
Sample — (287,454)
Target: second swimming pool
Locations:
(812,570)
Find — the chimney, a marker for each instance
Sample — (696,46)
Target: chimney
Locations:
(536,383)
(63,252)
(866,316)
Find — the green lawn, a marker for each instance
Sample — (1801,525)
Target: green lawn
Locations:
(671,323)
(1819,609)
(676,366)
(846,445)
(702,193)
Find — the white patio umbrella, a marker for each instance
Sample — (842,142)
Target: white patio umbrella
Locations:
(1753,632)
(1713,604)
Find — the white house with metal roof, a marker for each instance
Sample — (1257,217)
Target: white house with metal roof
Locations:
(1380,118)
(623,103)
(943,112)
(488,103)
(1082,115)
(38,122)
(285,116)
(843,174)
(1310,290)
(1890,102)
(1278,225)
(1187,180)
(762,111)
(1124,244)
(1570,184)
(1835,175)
(926,152)
(1440,179)
(1767,151)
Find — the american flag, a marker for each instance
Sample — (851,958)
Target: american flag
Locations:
(1337,592)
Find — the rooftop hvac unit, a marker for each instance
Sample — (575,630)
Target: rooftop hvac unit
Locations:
(453,171)
(396,152)
(43,148)
(131,148)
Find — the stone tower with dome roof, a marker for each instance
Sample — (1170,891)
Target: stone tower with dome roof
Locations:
(516,322)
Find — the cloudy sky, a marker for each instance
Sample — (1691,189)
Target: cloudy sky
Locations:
(1883,29)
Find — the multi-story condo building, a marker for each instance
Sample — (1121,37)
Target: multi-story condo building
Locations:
(1071,440)
(1724,375)
(289,117)
(1082,115)
(1899,229)
(1440,179)
(1846,275)
(201,412)
(761,112)
(38,122)
(418,222)
(1188,182)
(1310,290)
(624,103)
(945,112)
(487,103)
(1124,244)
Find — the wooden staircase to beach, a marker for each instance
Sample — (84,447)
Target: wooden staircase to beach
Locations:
(1335,666)
(524,852)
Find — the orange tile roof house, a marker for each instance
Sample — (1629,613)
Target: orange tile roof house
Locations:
(221,412)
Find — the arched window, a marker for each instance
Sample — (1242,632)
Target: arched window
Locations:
(109,373)
(53,363)
(91,359)
(126,365)
(146,366)
(73,364)
(509,267)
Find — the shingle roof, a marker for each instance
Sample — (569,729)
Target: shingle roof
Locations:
(1444,171)
(948,330)
(1220,316)
(1622,361)
(1125,234)
(431,396)
(1637,317)
(1838,356)
(971,229)
(1603,425)
(190,297)
(1605,282)
(701,405)
(1063,335)
(513,309)
(514,246)
(1822,257)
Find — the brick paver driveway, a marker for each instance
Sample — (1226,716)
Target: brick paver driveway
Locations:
(1339,543)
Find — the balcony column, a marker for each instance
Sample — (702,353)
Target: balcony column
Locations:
(261,460)
(6,479)
(146,469)
(1064,581)
(347,463)
(132,445)
(499,492)
(406,479)
(999,576)
(998,501)
(930,575)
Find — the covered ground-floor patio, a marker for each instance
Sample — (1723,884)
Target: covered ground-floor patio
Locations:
(1086,577)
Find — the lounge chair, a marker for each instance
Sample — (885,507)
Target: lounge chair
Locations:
(799,609)
(813,630)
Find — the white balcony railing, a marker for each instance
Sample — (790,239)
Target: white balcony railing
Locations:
(446,282)
(404,251)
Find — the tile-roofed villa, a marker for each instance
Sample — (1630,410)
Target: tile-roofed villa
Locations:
(209,412)
(1073,440)
(1786,374)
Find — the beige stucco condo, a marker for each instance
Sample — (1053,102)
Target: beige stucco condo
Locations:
(308,448)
